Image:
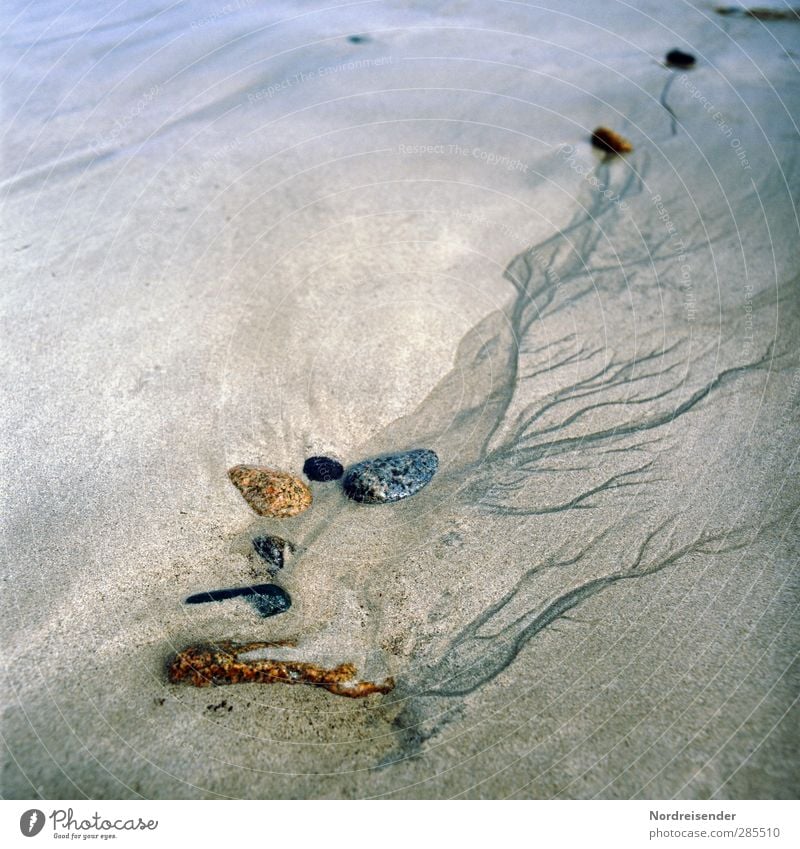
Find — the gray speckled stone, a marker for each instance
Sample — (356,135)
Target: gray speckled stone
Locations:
(390,477)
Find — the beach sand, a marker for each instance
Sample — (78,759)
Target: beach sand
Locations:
(235,234)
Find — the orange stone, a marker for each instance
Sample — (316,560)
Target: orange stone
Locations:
(610,142)
(270,492)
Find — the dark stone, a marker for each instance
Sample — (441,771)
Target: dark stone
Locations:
(390,477)
(358,39)
(272,550)
(268,599)
(679,59)
(232,592)
(323,469)
(271,600)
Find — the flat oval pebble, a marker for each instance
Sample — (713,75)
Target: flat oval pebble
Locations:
(323,469)
(270,492)
(270,600)
(273,551)
(390,477)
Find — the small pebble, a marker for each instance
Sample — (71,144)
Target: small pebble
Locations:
(272,550)
(323,469)
(390,477)
(271,600)
(610,142)
(357,39)
(679,59)
(270,492)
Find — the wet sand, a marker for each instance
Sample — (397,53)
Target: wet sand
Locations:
(237,235)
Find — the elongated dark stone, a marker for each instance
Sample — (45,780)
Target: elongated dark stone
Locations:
(233,592)
(391,477)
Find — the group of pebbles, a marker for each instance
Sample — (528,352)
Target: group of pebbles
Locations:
(281,495)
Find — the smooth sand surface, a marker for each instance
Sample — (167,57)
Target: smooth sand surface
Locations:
(233,235)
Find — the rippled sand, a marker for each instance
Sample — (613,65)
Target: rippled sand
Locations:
(237,235)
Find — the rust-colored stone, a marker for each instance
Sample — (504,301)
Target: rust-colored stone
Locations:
(270,492)
(610,142)
(206,665)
